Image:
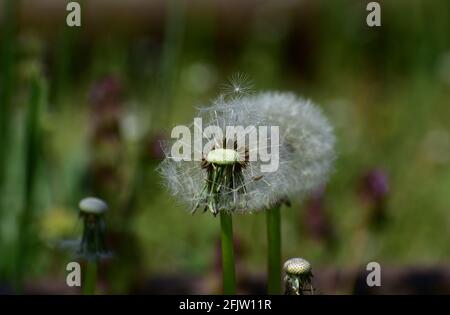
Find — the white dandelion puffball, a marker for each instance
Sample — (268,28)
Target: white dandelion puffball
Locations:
(237,175)
(308,134)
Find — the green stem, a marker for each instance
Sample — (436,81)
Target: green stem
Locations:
(274,250)
(8,16)
(228,272)
(173,44)
(90,278)
(32,157)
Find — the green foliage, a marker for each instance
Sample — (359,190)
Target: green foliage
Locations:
(385,90)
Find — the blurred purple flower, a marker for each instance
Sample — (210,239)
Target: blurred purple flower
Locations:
(317,223)
(154,146)
(106,165)
(106,101)
(375,185)
(374,190)
(106,91)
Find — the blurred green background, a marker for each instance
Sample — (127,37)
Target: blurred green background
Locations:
(82,111)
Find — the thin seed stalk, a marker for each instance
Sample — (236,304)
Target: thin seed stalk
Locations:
(228,268)
(90,279)
(274,250)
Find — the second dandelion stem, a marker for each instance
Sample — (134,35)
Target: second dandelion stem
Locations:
(228,269)
(274,250)
(90,278)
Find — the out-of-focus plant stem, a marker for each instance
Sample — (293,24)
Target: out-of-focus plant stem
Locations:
(274,250)
(174,31)
(68,39)
(90,278)
(7,58)
(228,268)
(32,150)
(62,63)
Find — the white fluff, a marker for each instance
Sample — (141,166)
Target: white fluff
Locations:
(305,151)
(306,131)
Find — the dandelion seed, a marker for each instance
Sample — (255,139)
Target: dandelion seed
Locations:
(238,85)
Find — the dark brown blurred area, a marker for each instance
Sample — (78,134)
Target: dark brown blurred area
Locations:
(138,16)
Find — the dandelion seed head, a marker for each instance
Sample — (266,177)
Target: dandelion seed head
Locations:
(306,137)
(305,152)
(309,134)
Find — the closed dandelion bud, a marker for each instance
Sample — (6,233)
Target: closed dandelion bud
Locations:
(91,205)
(93,242)
(298,274)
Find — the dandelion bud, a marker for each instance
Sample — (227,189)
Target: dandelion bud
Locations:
(298,274)
(92,205)
(93,242)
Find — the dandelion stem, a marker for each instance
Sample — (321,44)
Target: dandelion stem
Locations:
(90,278)
(274,250)
(228,272)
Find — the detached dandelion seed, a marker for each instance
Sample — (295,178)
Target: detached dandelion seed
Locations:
(239,84)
